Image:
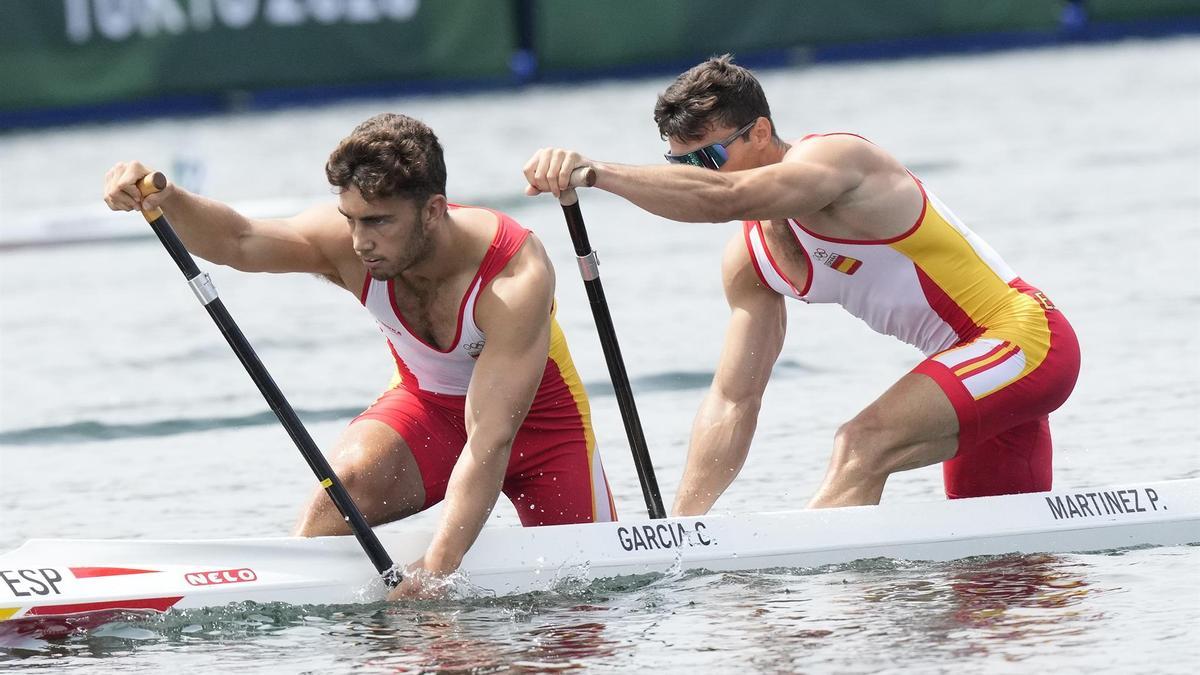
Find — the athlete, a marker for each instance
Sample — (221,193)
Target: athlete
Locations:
(485,398)
(834,218)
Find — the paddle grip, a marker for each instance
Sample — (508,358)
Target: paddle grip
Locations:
(584,176)
(148,185)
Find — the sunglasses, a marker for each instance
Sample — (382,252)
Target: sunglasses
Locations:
(710,156)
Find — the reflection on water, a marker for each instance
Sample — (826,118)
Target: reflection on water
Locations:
(451,642)
(1003,605)
(995,595)
(884,614)
(542,631)
(1003,608)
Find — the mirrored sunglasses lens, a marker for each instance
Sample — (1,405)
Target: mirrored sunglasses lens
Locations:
(691,159)
(716,155)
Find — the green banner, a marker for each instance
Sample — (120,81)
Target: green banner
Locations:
(58,53)
(1123,10)
(583,34)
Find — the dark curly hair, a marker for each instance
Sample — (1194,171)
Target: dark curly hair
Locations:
(714,93)
(389,155)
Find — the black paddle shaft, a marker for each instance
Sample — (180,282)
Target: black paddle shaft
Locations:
(612,355)
(266,384)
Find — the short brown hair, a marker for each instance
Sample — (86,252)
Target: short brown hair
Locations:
(389,155)
(714,93)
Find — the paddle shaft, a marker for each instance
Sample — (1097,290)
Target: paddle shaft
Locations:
(588,268)
(207,294)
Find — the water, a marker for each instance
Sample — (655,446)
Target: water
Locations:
(123,414)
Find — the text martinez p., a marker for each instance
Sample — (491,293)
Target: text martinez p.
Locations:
(1104,503)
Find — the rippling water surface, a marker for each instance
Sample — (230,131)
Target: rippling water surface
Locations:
(123,414)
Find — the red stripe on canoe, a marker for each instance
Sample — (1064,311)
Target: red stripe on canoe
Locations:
(89,572)
(156,604)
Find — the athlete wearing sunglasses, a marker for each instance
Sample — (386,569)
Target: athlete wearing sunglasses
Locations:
(712,156)
(834,218)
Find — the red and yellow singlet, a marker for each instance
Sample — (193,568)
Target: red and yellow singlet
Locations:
(555,475)
(999,348)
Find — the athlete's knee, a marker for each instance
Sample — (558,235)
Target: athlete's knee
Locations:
(381,499)
(347,469)
(858,447)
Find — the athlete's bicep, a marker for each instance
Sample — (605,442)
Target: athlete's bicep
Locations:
(754,336)
(514,314)
(803,183)
(314,241)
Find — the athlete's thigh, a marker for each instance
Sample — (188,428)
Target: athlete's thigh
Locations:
(379,469)
(555,477)
(994,386)
(913,417)
(428,440)
(1017,460)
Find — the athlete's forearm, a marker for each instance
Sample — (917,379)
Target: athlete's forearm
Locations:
(682,193)
(470,496)
(516,318)
(720,442)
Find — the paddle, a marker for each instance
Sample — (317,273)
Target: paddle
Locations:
(203,287)
(589,268)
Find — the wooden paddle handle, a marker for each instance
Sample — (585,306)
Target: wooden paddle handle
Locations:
(148,185)
(584,176)
(151,183)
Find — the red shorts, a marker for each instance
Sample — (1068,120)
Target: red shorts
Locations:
(1003,385)
(554,474)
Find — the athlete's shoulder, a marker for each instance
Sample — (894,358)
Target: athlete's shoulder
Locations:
(520,262)
(483,213)
(738,273)
(530,260)
(737,249)
(324,229)
(322,221)
(520,293)
(838,144)
(848,154)
(517,272)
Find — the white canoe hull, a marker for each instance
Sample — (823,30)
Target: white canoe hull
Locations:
(49,578)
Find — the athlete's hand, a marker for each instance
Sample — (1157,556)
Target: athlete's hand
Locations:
(420,584)
(549,170)
(121,191)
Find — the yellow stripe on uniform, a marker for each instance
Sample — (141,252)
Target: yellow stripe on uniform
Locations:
(561,356)
(964,273)
(6,612)
(980,365)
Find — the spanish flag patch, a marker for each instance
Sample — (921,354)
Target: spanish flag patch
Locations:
(842,263)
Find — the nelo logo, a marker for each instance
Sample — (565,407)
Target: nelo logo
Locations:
(220,577)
